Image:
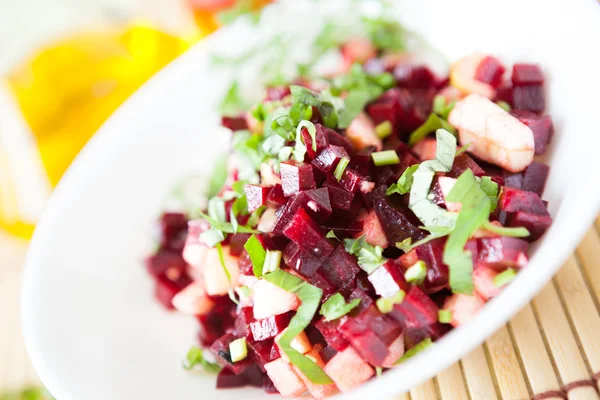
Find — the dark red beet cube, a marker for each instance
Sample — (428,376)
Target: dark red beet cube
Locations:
(316,203)
(369,346)
(432,253)
(338,140)
(235,123)
(242,323)
(417,310)
(490,71)
(530,98)
(237,242)
(268,328)
(304,231)
(536,224)
(527,74)
(276,93)
(228,380)
(164,261)
(365,301)
(343,227)
(257,196)
(361,161)
(320,280)
(388,279)
(353,182)
(327,353)
(414,76)
(168,285)
(300,260)
(261,352)
(221,349)
(321,138)
(398,222)
(542,128)
(386,328)
(213,325)
(276,197)
(513,200)
(329,158)
(462,163)
(385,108)
(295,177)
(513,180)
(501,252)
(172,227)
(340,267)
(340,198)
(414,336)
(332,334)
(535,177)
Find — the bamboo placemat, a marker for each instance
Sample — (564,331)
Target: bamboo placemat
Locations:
(550,350)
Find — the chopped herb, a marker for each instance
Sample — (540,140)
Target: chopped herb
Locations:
(310,298)
(378,371)
(369,257)
(31,393)
(234,222)
(244,292)
(384,129)
(233,103)
(216,209)
(505,277)
(439,102)
(504,231)
(419,347)
(504,105)
(416,273)
(225,227)
(257,255)
(341,167)
(336,307)
(405,245)
(387,157)
(331,235)
(238,349)
(312,131)
(212,237)
(195,357)
(272,261)
(432,124)
(222,260)
(386,34)
(283,125)
(217,176)
(386,304)
(491,189)
(405,181)
(445,316)
(354,104)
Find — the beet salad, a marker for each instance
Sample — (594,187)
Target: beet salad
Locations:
(361,217)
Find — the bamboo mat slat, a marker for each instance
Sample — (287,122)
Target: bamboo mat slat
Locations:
(551,348)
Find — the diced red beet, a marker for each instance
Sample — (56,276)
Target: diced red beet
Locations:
(173,230)
(235,123)
(361,161)
(270,327)
(432,254)
(338,140)
(385,327)
(168,285)
(340,198)
(320,280)
(490,71)
(414,76)
(295,177)
(261,352)
(276,197)
(221,349)
(316,203)
(513,200)
(530,98)
(303,230)
(327,353)
(242,323)
(275,93)
(542,128)
(329,158)
(417,310)
(388,279)
(369,346)
(301,260)
(397,220)
(385,108)
(353,182)
(340,267)
(321,137)
(213,325)
(164,261)
(501,252)
(527,74)
(343,227)
(257,196)
(396,350)
(462,163)
(535,177)
(513,180)
(228,380)
(536,224)
(365,301)
(237,242)
(268,385)
(332,334)
(284,378)
(348,370)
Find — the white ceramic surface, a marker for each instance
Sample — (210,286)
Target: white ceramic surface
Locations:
(91,325)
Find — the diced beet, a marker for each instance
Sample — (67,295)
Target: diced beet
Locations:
(397,220)
(221,349)
(242,323)
(415,336)
(261,352)
(284,378)
(340,267)
(371,348)
(348,370)
(365,301)
(295,177)
(164,261)
(536,224)
(535,177)
(527,74)
(276,197)
(417,310)
(276,93)
(300,260)
(343,227)
(270,327)
(228,380)
(361,161)
(332,334)
(513,200)
(385,108)
(254,375)
(329,158)
(321,137)
(542,128)
(505,93)
(386,328)
(213,325)
(462,163)
(340,198)
(327,353)
(490,71)
(320,280)
(173,229)
(353,182)
(268,386)
(303,230)
(414,76)
(513,180)
(316,203)
(396,350)
(432,254)
(338,140)
(237,242)
(235,123)
(501,252)
(530,98)
(257,196)
(388,279)
(168,285)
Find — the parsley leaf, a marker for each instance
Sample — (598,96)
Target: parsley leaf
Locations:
(195,357)
(419,347)
(405,181)
(369,257)
(336,307)
(432,124)
(257,254)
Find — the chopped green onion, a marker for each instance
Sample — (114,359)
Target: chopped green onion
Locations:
(312,131)
(369,257)
(445,316)
(432,124)
(336,307)
(504,105)
(378,371)
(504,231)
(272,261)
(257,255)
(439,102)
(505,277)
(386,304)
(416,273)
(238,349)
(341,167)
(384,129)
(387,157)
(419,347)
(222,260)
(195,357)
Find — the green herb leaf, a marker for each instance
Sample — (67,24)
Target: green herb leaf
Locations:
(439,102)
(283,125)
(222,260)
(405,245)
(310,297)
(419,347)
(257,255)
(369,257)
(504,231)
(445,316)
(331,235)
(216,209)
(505,277)
(354,104)
(491,189)
(195,357)
(212,237)
(462,149)
(432,124)
(233,103)
(386,157)
(336,307)
(341,167)
(405,181)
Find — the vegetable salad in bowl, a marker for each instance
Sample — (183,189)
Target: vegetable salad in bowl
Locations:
(362,215)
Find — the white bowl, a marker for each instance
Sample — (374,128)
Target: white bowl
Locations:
(91,324)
